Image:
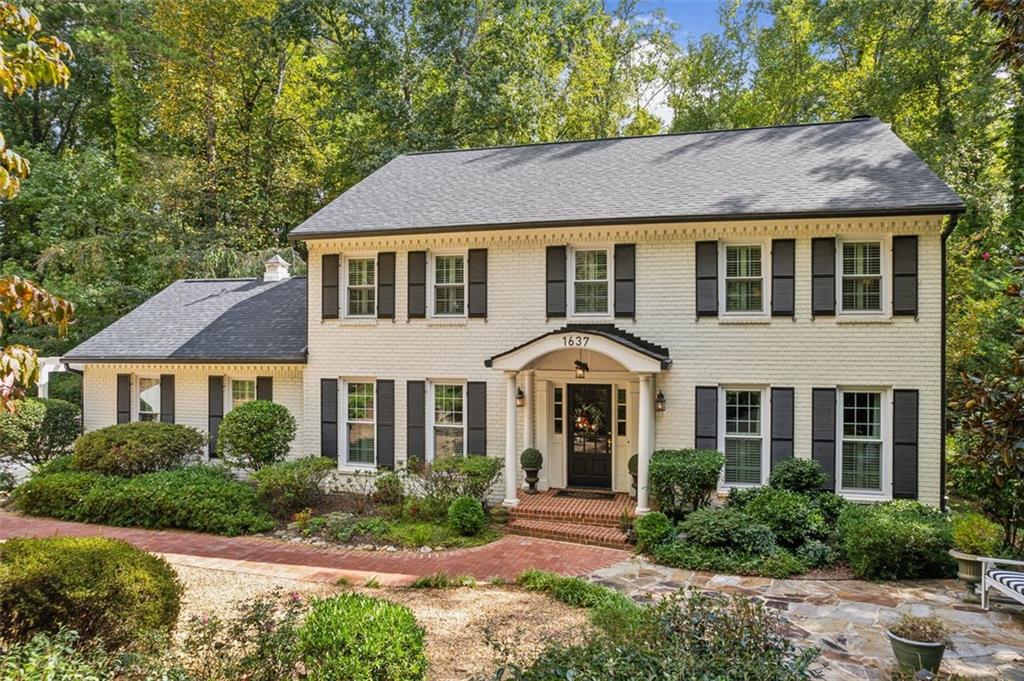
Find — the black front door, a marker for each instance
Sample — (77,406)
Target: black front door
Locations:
(590,447)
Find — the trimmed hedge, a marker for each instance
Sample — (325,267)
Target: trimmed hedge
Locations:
(200,498)
(466,516)
(896,540)
(256,434)
(682,480)
(105,589)
(291,486)
(359,638)
(802,476)
(129,449)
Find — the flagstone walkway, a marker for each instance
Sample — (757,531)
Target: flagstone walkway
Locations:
(847,618)
(504,558)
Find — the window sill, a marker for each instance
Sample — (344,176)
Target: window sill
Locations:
(740,319)
(357,321)
(447,321)
(354,469)
(864,497)
(864,319)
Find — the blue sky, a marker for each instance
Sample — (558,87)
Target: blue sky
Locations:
(693,17)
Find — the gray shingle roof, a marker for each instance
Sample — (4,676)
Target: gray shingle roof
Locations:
(208,320)
(857,167)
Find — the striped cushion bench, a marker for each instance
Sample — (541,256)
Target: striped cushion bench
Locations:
(1011,580)
(1008,582)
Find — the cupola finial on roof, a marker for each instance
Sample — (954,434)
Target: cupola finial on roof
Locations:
(276,268)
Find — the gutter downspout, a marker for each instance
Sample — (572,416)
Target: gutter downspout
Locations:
(950,226)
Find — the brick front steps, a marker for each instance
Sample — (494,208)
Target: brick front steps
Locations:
(593,521)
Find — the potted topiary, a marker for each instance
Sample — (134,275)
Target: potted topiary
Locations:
(919,642)
(631,465)
(531,460)
(974,536)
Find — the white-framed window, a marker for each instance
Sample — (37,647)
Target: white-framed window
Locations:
(558,410)
(242,390)
(149,399)
(743,284)
(591,275)
(621,410)
(361,287)
(448,423)
(862,281)
(449,284)
(863,450)
(360,442)
(743,424)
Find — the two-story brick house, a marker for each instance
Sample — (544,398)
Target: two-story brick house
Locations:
(769,292)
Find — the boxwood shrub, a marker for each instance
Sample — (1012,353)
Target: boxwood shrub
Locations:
(802,476)
(38,430)
(652,529)
(896,540)
(466,516)
(256,434)
(134,448)
(105,589)
(291,486)
(359,638)
(792,517)
(728,528)
(682,480)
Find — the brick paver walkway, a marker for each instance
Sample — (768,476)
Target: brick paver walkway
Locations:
(504,558)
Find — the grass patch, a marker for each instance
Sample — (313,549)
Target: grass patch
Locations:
(414,533)
(442,580)
(372,583)
(611,611)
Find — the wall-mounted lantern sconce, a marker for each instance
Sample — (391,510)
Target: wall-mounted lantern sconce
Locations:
(581,369)
(659,402)
(520,397)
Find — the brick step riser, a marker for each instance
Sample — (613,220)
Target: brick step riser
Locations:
(556,517)
(558,536)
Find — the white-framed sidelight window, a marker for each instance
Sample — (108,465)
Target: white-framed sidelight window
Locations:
(865,458)
(360,414)
(448,419)
(743,422)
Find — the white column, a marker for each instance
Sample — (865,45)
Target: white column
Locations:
(646,442)
(511,499)
(529,428)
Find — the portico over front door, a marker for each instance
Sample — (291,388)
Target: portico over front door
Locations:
(590,444)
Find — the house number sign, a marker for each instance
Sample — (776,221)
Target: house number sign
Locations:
(575,341)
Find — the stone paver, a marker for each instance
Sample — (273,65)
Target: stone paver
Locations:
(847,618)
(504,558)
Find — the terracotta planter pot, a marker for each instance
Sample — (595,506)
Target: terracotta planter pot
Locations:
(531,479)
(968,566)
(917,655)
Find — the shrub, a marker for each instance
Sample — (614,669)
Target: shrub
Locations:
(778,564)
(790,516)
(255,434)
(652,529)
(896,540)
(466,515)
(929,629)
(57,495)
(105,589)
(728,528)
(388,490)
(815,553)
(355,637)
(54,657)
(802,476)
(38,430)
(683,479)
(829,505)
(134,448)
(286,487)
(531,459)
(450,477)
(573,591)
(7,481)
(975,534)
(632,464)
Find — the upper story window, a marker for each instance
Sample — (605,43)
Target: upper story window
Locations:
(149,399)
(861,268)
(242,391)
(744,279)
(360,445)
(862,448)
(449,423)
(590,281)
(449,285)
(744,446)
(361,285)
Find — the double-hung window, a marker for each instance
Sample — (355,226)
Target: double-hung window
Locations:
(591,275)
(149,399)
(361,283)
(449,285)
(861,269)
(744,445)
(862,446)
(242,391)
(360,426)
(744,279)
(449,421)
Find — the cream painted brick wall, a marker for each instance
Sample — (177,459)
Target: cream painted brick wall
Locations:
(191,391)
(801,353)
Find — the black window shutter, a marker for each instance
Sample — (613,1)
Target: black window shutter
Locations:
(167,398)
(415,414)
(385,424)
(783,273)
(707,418)
(823,432)
(782,425)
(477,282)
(329,274)
(124,398)
(904,444)
(265,388)
(417,284)
(386,285)
(215,409)
(625,280)
(823,276)
(476,418)
(904,275)
(329,417)
(707,278)
(555,282)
